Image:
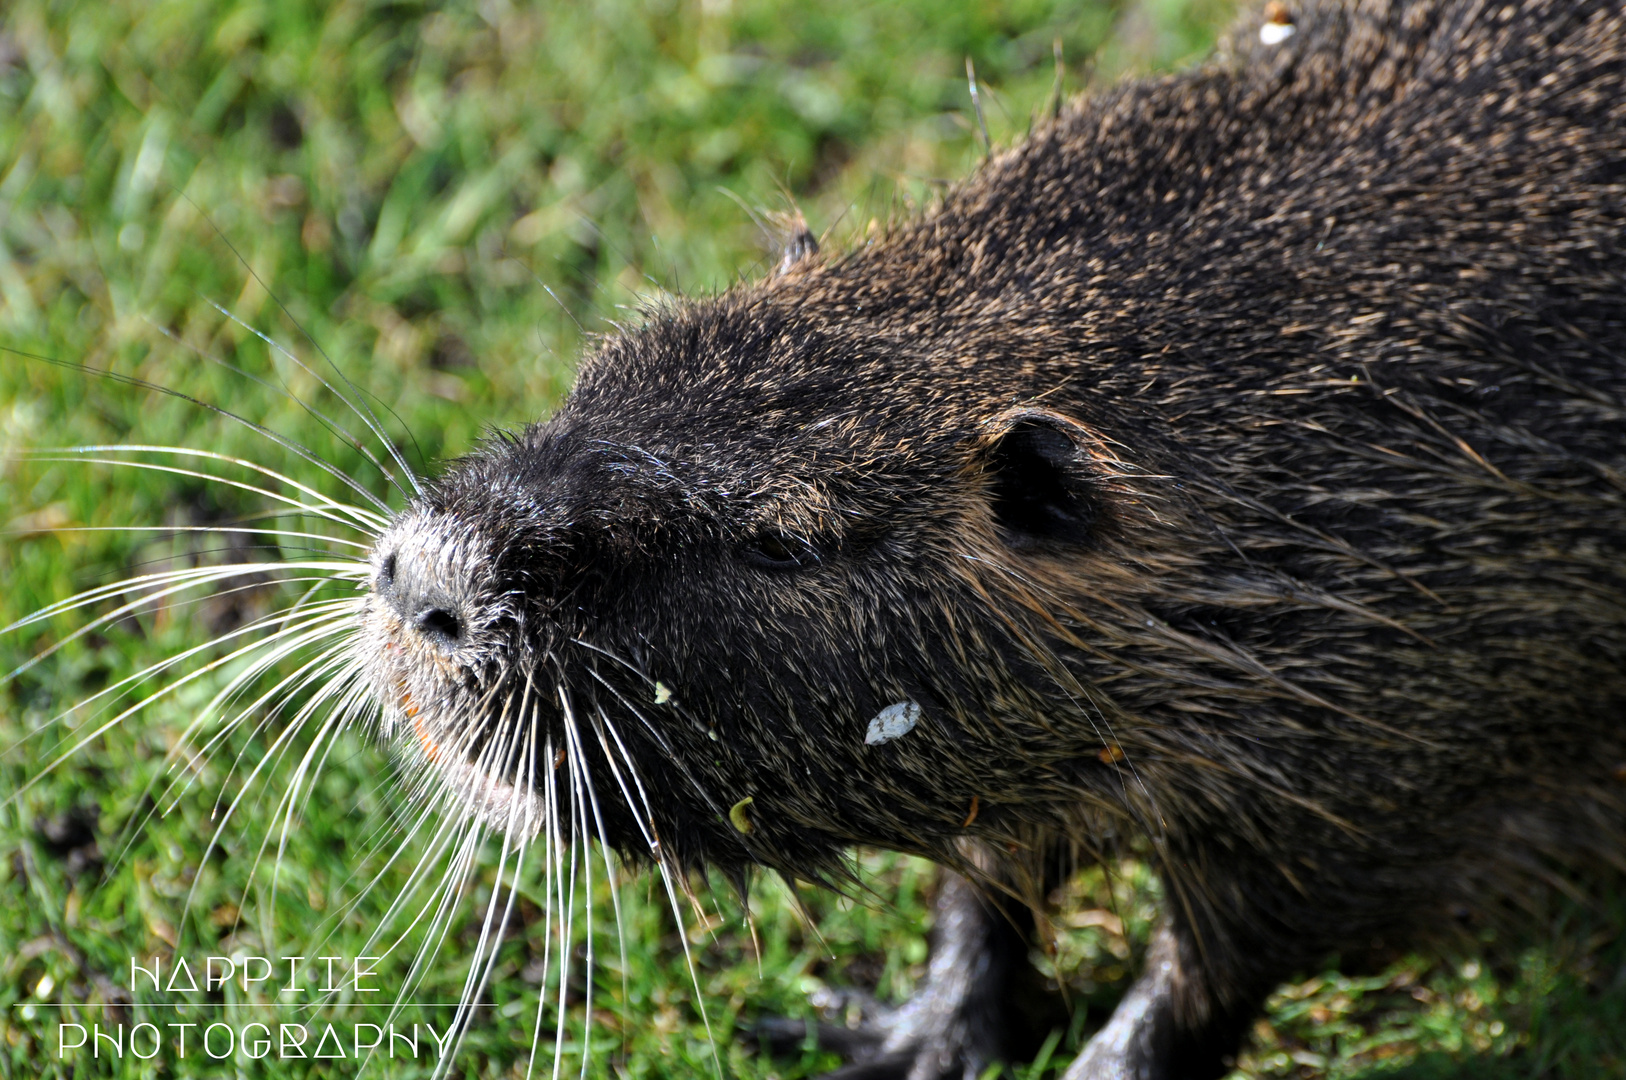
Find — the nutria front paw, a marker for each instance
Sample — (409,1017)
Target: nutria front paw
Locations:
(981,1003)
(939,1034)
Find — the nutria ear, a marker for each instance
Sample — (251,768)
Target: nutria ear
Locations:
(800,245)
(1040,478)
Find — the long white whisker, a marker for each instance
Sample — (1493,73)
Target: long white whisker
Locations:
(365,414)
(453,801)
(440,839)
(494,763)
(364,521)
(330,689)
(246,530)
(177,787)
(654,733)
(322,418)
(337,657)
(158,586)
(320,621)
(604,846)
(585,798)
(164,691)
(286,443)
(671,890)
(290,684)
(250,629)
(562,860)
(373,521)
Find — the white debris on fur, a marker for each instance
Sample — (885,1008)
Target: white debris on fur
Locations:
(1274,33)
(891,722)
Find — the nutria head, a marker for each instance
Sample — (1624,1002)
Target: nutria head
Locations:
(766,582)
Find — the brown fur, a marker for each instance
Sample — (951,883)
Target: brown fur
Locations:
(1317,353)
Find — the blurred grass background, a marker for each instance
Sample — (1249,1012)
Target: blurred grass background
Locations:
(448,201)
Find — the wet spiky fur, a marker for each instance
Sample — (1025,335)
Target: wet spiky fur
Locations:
(1239,462)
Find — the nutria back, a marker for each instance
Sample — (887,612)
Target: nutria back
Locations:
(1239,462)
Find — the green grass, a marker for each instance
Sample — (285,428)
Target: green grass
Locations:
(446,201)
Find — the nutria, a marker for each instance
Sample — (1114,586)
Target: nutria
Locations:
(1238,463)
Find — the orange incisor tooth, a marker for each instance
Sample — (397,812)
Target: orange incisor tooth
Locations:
(431,748)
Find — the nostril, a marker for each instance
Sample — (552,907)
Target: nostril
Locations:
(440,624)
(420,592)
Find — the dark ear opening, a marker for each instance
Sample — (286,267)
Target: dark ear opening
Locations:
(1041,490)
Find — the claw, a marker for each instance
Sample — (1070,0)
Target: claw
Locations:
(781,1037)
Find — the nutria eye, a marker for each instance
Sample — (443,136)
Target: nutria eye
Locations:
(776,551)
(441,625)
(386,572)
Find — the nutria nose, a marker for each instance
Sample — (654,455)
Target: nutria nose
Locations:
(420,603)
